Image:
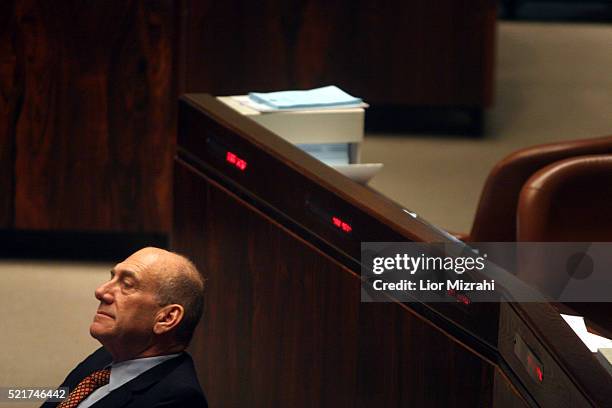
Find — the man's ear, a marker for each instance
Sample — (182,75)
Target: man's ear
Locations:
(168,318)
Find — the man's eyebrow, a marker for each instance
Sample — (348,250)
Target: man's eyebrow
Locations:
(125,273)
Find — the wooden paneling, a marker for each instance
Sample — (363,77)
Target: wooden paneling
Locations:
(504,395)
(94,133)
(284,326)
(88,90)
(11,91)
(411,53)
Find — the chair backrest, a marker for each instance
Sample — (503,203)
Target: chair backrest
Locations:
(568,201)
(495,219)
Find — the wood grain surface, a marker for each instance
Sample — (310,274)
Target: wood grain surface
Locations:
(283,303)
(284,326)
(11,93)
(94,129)
(418,53)
(88,89)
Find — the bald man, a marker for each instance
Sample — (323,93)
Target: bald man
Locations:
(147,315)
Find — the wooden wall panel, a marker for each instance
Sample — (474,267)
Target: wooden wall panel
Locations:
(412,53)
(11,92)
(88,90)
(95,133)
(504,395)
(283,324)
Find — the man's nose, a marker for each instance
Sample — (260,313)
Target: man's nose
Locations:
(103,293)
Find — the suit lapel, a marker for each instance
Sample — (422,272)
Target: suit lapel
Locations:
(124,394)
(96,361)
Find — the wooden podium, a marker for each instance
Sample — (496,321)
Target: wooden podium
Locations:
(284,325)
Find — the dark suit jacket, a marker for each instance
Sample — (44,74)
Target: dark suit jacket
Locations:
(172,383)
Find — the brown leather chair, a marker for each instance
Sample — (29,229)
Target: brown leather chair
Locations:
(495,219)
(568,201)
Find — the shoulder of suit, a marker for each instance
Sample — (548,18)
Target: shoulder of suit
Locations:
(179,385)
(184,372)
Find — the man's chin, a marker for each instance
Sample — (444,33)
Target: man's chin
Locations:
(98,332)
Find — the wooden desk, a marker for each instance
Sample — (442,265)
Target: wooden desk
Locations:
(284,325)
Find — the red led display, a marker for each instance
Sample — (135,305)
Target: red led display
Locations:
(236,161)
(341,224)
(532,364)
(461,298)
(530,361)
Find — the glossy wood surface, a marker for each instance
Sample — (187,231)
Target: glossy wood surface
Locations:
(284,325)
(291,182)
(88,90)
(203,117)
(417,53)
(504,395)
(92,100)
(11,90)
(265,256)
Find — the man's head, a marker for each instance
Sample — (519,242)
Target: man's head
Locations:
(150,305)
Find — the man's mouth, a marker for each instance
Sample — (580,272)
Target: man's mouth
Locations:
(103,313)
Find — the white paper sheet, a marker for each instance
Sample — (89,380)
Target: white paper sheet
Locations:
(592,341)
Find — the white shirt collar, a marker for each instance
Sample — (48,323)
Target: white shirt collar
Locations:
(127,370)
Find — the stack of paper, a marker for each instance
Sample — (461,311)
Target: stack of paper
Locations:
(341,129)
(329,153)
(328,97)
(326,123)
(306,126)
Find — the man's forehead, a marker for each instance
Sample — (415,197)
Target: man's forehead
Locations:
(145,256)
(150,261)
(138,262)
